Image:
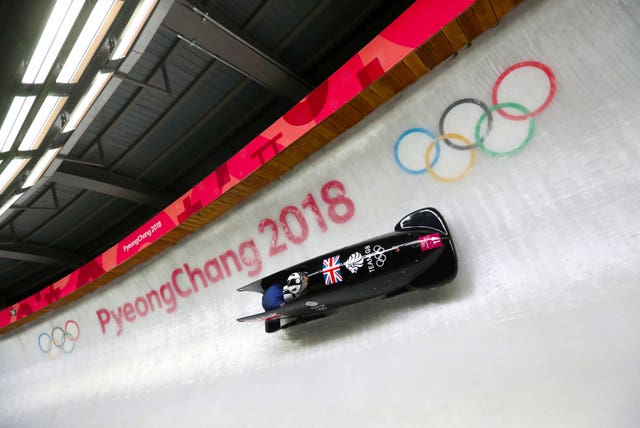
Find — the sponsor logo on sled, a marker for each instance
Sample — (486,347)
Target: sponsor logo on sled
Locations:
(429,242)
(322,307)
(312,304)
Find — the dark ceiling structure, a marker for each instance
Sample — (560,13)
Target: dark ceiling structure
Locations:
(203,79)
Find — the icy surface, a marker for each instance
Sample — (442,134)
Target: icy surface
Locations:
(540,328)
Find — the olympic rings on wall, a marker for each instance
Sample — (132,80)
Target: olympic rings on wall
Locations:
(547,101)
(499,107)
(411,131)
(480,104)
(445,137)
(483,127)
(60,340)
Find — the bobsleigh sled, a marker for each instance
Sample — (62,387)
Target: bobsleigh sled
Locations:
(418,254)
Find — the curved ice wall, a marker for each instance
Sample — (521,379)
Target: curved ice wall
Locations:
(538,329)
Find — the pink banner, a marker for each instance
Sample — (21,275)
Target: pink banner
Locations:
(416,25)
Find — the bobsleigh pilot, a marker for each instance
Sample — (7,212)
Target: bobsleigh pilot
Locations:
(277,295)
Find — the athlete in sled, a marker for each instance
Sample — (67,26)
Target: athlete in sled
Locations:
(418,254)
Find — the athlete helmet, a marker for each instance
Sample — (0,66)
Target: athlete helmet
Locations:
(296,284)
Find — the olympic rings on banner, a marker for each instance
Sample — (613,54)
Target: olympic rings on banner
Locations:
(484,122)
(58,341)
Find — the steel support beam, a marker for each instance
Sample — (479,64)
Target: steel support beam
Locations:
(105,182)
(39,254)
(205,34)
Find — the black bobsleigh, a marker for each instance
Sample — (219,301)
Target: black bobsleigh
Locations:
(418,254)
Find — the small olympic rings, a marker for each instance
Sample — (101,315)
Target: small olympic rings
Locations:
(379,255)
(60,340)
(483,127)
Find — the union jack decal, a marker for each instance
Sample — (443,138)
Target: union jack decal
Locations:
(331,270)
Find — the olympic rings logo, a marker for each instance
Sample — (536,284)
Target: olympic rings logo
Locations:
(482,129)
(379,255)
(60,340)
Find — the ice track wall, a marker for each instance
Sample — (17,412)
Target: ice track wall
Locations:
(539,328)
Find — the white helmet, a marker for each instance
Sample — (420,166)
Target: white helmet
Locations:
(296,284)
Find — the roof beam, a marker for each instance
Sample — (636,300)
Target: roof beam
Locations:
(39,254)
(202,32)
(102,181)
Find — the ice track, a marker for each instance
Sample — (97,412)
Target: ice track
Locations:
(540,328)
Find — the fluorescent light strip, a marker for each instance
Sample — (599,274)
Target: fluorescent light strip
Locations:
(137,21)
(89,39)
(55,33)
(87,100)
(10,202)
(42,122)
(16,115)
(41,167)
(11,171)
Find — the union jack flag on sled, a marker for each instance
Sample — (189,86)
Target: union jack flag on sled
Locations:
(331,270)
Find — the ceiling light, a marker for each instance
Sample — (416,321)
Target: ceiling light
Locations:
(41,167)
(42,122)
(140,16)
(89,39)
(9,202)
(55,33)
(11,171)
(16,115)
(87,100)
